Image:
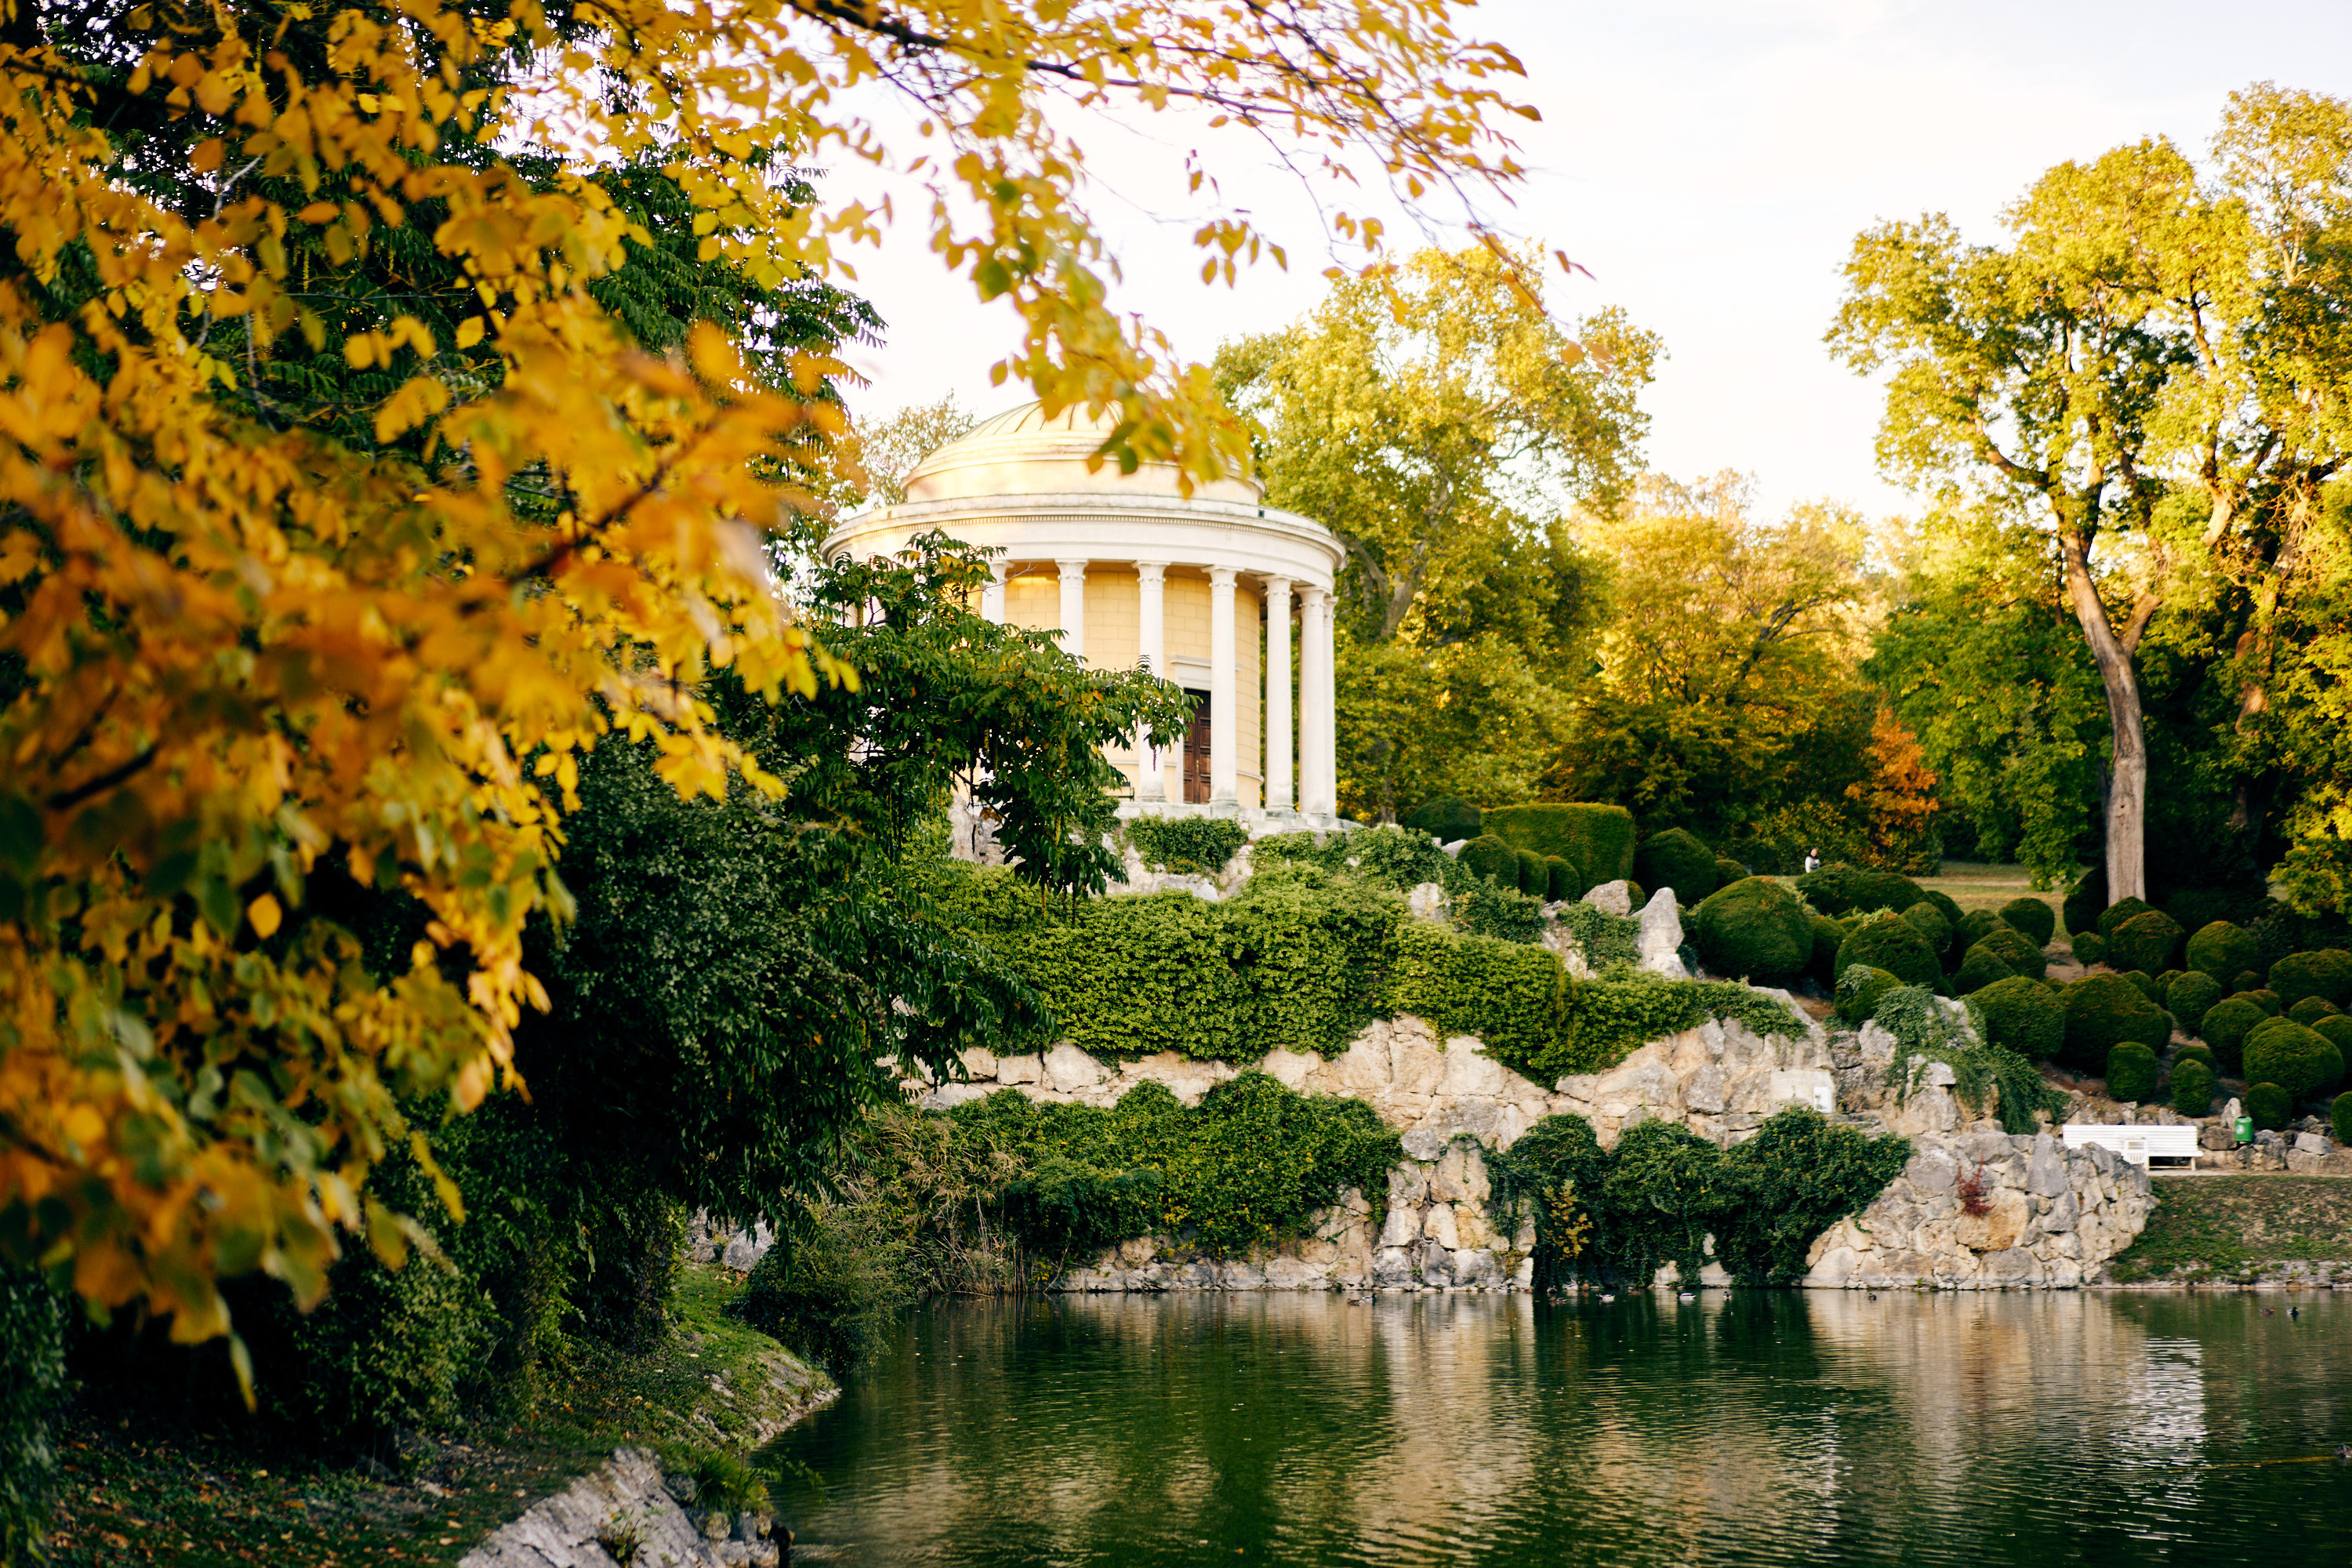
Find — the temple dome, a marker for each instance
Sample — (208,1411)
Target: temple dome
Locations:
(1024,452)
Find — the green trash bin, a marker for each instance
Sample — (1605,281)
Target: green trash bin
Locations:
(2245,1128)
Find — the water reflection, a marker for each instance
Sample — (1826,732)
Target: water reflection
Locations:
(1774,1428)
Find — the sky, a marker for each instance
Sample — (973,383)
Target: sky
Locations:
(1710,163)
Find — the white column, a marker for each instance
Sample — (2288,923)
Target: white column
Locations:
(1278,694)
(1074,608)
(1224,738)
(992,593)
(1317,765)
(1151,630)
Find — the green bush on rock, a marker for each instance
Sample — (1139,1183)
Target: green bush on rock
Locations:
(2032,917)
(2325,973)
(1754,928)
(2131,1072)
(2299,1060)
(2269,1105)
(1889,942)
(2145,943)
(1493,859)
(1677,859)
(2103,1011)
(2189,997)
(2225,1027)
(1188,844)
(2021,1015)
(1535,877)
(2223,951)
(1859,990)
(2192,1088)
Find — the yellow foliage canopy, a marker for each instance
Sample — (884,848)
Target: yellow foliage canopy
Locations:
(233,650)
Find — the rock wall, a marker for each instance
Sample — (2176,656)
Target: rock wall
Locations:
(2049,1218)
(624,1511)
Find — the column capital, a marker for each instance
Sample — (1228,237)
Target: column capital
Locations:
(1222,576)
(1151,570)
(1073,568)
(1313,596)
(1279,586)
(998,568)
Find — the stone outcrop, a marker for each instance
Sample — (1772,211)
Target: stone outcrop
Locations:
(624,1512)
(2047,1218)
(1662,935)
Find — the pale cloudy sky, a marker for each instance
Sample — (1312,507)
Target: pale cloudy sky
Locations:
(1710,160)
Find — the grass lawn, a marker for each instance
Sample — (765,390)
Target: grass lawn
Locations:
(1975,886)
(135,1492)
(2231,1224)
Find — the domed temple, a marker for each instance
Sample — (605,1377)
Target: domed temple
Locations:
(1203,589)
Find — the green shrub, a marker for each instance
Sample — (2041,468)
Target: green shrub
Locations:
(1506,914)
(1839,888)
(1506,994)
(1187,844)
(827,1294)
(2189,997)
(1980,967)
(2021,1015)
(1559,880)
(2131,1072)
(33,1328)
(1727,871)
(2089,948)
(2103,1011)
(2225,1027)
(1494,859)
(2119,912)
(2164,983)
(2223,951)
(1828,937)
(2339,1116)
(1974,925)
(2147,983)
(1534,877)
(2192,1088)
(1946,907)
(2336,1029)
(1754,927)
(2146,943)
(1598,840)
(1860,989)
(2326,972)
(2013,947)
(1929,921)
(1602,1020)
(2032,917)
(2083,900)
(2247,980)
(2265,999)
(2311,1009)
(2299,1060)
(1448,818)
(1677,859)
(2195,1050)
(2269,1105)
(1892,943)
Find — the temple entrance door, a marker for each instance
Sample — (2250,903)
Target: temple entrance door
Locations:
(1196,753)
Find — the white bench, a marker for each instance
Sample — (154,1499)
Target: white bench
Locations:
(2137,1145)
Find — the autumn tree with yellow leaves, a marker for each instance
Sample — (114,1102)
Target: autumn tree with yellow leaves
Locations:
(344,509)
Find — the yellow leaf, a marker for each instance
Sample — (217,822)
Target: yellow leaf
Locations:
(469,331)
(265,915)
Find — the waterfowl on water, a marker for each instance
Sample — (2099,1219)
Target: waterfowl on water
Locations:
(1608,1296)
(1686,1296)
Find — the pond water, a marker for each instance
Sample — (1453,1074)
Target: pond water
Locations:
(1766,1427)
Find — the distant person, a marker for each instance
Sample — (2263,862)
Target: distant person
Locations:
(1813,861)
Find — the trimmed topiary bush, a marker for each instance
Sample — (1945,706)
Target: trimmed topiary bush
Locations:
(2032,917)
(2311,1009)
(1534,877)
(1559,880)
(1493,859)
(2089,947)
(1929,921)
(2188,998)
(1945,907)
(1978,968)
(1678,859)
(2147,983)
(2299,1060)
(1828,937)
(2103,1011)
(1191,844)
(2326,972)
(1446,819)
(2192,1088)
(2164,983)
(1598,840)
(2013,948)
(2266,1000)
(1754,927)
(1859,990)
(2122,910)
(1892,943)
(1727,871)
(2247,980)
(2339,1116)
(2146,943)
(2195,1051)
(2131,1072)
(2083,901)
(2223,951)
(2336,1029)
(2269,1105)
(2226,1026)
(1974,925)
(1839,888)
(2021,1015)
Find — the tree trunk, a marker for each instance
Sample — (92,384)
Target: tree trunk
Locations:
(2127,791)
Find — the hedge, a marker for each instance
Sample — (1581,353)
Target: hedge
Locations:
(1448,818)
(1945,906)
(2192,1088)
(2021,1015)
(1598,840)
(2267,1000)
(1677,859)
(2327,972)
(2223,951)
(2032,917)
(1974,925)
(33,1328)
(1755,927)
(1559,880)
(2299,1060)
(1534,877)
(2195,1050)
(1891,943)
(2103,1011)
(2145,942)
(2150,986)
